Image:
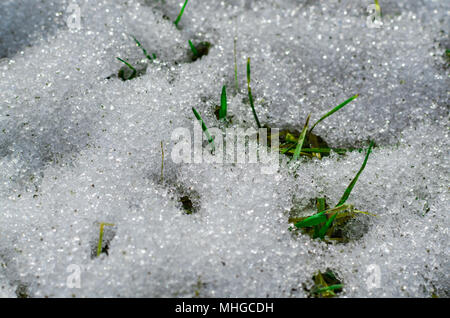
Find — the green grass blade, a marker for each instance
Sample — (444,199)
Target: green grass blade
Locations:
(181,13)
(130,66)
(378,7)
(352,184)
(223,103)
(334,110)
(321,205)
(100,239)
(312,220)
(143,49)
(235,66)
(339,151)
(204,128)
(193,48)
(329,288)
(301,140)
(250,96)
(327,225)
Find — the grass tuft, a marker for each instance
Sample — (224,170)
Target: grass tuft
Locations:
(180,14)
(250,96)
(326,220)
(204,128)
(326,285)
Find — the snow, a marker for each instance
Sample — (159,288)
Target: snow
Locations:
(79,147)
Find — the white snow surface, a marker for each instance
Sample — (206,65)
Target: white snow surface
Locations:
(79,147)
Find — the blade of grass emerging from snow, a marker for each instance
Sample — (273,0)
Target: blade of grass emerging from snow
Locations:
(250,96)
(331,112)
(162,162)
(181,13)
(321,205)
(378,7)
(130,66)
(100,239)
(352,184)
(301,140)
(312,220)
(193,48)
(329,288)
(325,228)
(144,50)
(235,66)
(204,128)
(223,104)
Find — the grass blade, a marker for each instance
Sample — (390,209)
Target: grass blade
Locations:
(321,205)
(100,239)
(193,49)
(353,182)
(312,220)
(130,66)
(180,14)
(250,96)
(378,7)
(235,66)
(301,139)
(325,228)
(204,128)
(162,162)
(144,50)
(329,288)
(334,110)
(223,103)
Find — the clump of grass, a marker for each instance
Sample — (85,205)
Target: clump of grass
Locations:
(307,143)
(204,128)
(180,14)
(100,239)
(326,285)
(122,74)
(250,96)
(326,221)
